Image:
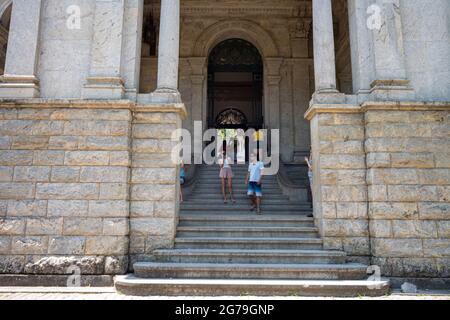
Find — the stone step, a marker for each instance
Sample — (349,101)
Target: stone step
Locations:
(235,184)
(245,220)
(207,168)
(247,243)
(131,285)
(187,206)
(232,211)
(249,256)
(218,187)
(238,176)
(243,231)
(242,201)
(250,271)
(239,196)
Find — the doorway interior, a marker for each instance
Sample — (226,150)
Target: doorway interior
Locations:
(235,88)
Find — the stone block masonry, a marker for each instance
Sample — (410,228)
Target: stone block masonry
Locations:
(87,184)
(154,187)
(408,177)
(382,182)
(64,201)
(340,187)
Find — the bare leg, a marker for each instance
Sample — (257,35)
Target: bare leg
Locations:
(253,201)
(181,194)
(230,189)
(223,191)
(258,205)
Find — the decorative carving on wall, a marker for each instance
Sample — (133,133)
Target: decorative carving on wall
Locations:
(235,53)
(231,116)
(301,28)
(246,8)
(235,28)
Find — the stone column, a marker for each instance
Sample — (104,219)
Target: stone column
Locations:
(301,96)
(19,79)
(132,41)
(104,80)
(273,78)
(361,46)
(300,31)
(197,65)
(390,81)
(324,56)
(168,53)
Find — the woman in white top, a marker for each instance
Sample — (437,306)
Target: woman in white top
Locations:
(226,174)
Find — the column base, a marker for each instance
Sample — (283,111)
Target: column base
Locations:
(328,96)
(19,87)
(103,88)
(164,96)
(391,90)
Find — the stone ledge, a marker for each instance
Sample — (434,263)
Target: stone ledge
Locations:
(93,104)
(405,106)
(377,105)
(331,108)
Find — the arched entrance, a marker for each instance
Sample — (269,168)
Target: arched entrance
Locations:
(235,86)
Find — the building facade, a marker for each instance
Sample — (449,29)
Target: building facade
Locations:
(92,91)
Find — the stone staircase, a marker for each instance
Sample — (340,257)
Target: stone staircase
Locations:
(225,249)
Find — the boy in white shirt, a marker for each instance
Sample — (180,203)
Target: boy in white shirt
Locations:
(253,181)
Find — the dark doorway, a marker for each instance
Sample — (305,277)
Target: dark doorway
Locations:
(235,86)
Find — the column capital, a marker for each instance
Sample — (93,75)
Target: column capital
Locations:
(273,80)
(197,79)
(273,66)
(197,64)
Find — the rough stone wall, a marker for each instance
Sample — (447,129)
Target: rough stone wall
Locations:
(64,189)
(154,183)
(340,189)
(408,160)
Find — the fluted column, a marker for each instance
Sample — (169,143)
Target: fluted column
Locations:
(324,56)
(168,53)
(19,79)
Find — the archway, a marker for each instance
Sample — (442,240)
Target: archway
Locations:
(235,84)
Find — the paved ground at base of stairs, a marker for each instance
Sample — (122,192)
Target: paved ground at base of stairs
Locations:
(50,293)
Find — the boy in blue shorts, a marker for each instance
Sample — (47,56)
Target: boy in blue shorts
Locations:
(253,181)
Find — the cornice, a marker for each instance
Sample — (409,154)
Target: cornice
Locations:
(272,8)
(93,104)
(315,109)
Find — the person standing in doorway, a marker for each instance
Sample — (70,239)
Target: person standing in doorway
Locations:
(308,161)
(226,175)
(253,181)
